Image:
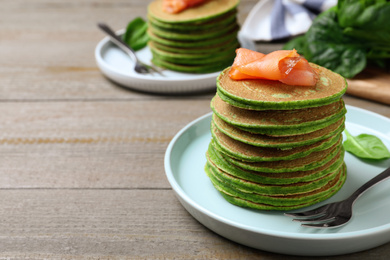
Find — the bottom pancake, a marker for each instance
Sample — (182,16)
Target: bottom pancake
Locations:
(286,202)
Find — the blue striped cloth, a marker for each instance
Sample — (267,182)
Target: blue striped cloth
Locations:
(278,19)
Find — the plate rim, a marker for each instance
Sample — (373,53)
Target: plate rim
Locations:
(288,235)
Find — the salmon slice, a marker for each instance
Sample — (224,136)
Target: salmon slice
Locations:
(301,73)
(286,66)
(177,6)
(243,56)
(268,66)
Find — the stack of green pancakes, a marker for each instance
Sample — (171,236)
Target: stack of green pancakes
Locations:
(274,146)
(201,39)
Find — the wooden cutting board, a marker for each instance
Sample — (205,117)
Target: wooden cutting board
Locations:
(373,84)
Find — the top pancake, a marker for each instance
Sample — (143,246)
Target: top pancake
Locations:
(271,94)
(208,10)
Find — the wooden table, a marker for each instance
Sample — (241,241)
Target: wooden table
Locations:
(81,172)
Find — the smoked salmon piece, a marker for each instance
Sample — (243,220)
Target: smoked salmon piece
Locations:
(299,73)
(177,6)
(243,56)
(286,66)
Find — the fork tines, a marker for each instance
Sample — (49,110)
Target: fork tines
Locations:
(317,218)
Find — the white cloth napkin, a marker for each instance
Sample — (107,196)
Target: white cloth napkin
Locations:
(278,19)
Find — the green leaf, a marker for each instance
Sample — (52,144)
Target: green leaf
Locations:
(344,60)
(328,46)
(298,43)
(370,15)
(366,146)
(136,34)
(348,36)
(366,20)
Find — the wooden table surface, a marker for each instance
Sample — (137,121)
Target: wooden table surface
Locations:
(81,172)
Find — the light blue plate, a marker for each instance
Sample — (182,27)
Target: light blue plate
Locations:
(272,231)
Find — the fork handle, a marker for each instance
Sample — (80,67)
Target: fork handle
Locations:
(118,40)
(377,179)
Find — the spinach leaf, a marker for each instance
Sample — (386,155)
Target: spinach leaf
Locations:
(348,36)
(366,20)
(366,146)
(136,36)
(330,47)
(298,43)
(363,14)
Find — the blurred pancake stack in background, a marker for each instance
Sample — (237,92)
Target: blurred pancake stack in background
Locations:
(201,39)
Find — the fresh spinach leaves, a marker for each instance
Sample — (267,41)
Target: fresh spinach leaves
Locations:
(348,36)
(136,34)
(366,146)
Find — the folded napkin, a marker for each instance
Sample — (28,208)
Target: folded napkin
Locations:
(278,19)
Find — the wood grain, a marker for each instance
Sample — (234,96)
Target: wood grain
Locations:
(81,158)
(81,144)
(116,224)
(372,84)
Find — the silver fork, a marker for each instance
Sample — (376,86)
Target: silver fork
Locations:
(139,67)
(336,214)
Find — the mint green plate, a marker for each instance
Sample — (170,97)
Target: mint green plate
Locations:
(272,231)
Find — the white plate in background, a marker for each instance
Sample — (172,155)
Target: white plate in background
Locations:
(117,66)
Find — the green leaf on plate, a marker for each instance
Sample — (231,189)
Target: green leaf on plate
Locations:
(366,146)
(136,36)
